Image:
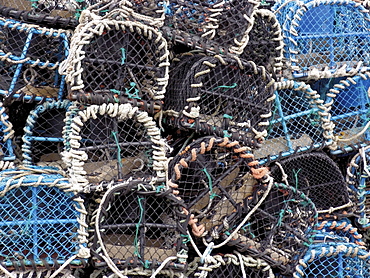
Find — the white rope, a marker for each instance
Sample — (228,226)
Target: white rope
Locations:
(163,264)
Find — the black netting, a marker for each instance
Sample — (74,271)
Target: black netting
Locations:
(277,231)
(141,227)
(31,59)
(221,97)
(318,177)
(131,62)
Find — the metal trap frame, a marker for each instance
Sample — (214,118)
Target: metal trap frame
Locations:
(29,60)
(116,58)
(140,229)
(43,138)
(112,142)
(334,259)
(319,177)
(327,39)
(42,221)
(220,96)
(298,123)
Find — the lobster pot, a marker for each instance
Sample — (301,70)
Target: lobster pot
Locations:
(327,38)
(348,101)
(43,139)
(30,57)
(297,123)
(123,59)
(319,177)
(275,224)
(138,228)
(334,260)
(111,142)
(340,231)
(265,44)
(214,26)
(42,221)
(213,177)
(233,265)
(359,188)
(223,97)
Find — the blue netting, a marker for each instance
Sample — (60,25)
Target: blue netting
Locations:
(327,34)
(6,134)
(30,57)
(340,260)
(39,219)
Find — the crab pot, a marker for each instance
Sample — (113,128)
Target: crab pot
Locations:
(41,220)
(31,56)
(221,97)
(118,58)
(139,227)
(319,177)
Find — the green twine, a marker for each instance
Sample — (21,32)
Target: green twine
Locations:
(123,58)
(159,188)
(209,182)
(147,264)
(186,238)
(136,252)
(114,133)
(135,94)
(226,133)
(296,177)
(281,215)
(226,116)
(34,5)
(226,87)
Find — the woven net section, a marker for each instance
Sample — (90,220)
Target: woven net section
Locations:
(319,177)
(111,142)
(41,221)
(357,179)
(348,101)
(138,228)
(328,36)
(297,122)
(265,45)
(213,177)
(29,57)
(222,97)
(210,25)
(277,230)
(43,138)
(118,58)
(334,260)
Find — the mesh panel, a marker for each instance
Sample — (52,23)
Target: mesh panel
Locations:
(350,112)
(328,35)
(334,260)
(209,25)
(213,179)
(223,99)
(296,123)
(113,142)
(318,177)
(265,44)
(278,229)
(30,57)
(129,60)
(137,226)
(359,188)
(39,223)
(43,142)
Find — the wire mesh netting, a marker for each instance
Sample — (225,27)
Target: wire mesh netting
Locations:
(348,101)
(213,176)
(216,26)
(112,142)
(327,37)
(334,260)
(358,182)
(29,59)
(223,97)
(231,265)
(139,227)
(274,224)
(117,58)
(319,177)
(296,123)
(43,139)
(42,220)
